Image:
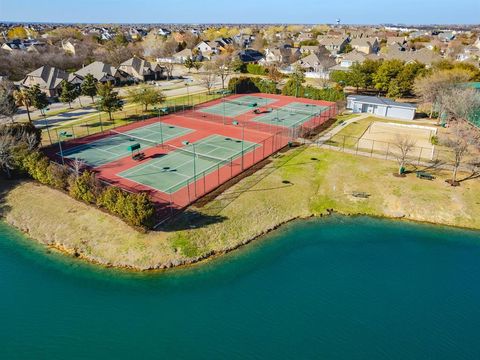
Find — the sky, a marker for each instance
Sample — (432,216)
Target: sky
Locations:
(243,11)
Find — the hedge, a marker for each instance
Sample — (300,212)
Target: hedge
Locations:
(243,85)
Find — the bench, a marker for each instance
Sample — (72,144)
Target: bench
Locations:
(425,175)
(139,156)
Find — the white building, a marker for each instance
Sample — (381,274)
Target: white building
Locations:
(381,107)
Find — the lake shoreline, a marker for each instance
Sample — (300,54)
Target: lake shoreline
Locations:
(60,248)
(320,184)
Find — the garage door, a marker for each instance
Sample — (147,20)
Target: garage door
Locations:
(400,113)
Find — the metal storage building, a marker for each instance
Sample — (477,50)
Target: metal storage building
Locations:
(381,106)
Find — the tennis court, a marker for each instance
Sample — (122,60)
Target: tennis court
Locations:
(116,146)
(238,106)
(293,114)
(181,166)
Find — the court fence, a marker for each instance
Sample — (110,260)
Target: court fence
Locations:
(101,122)
(434,156)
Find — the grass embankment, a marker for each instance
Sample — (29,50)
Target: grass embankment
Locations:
(300,183)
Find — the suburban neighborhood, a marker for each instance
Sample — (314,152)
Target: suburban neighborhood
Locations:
(262,180)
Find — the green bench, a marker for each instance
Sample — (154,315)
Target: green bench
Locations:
(425,175)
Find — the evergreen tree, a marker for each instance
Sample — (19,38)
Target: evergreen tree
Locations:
(189,63)
(69,93)
(109,100)
(89,86)
(37,97)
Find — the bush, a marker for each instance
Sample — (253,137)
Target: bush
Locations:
(58,176)
(135,209)
(19,130)
(310,92)
(245,85)
(256,69)
(36,165)
(85,187)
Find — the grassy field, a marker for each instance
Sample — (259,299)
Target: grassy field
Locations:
(300,183)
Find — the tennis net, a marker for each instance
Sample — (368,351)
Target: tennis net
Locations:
(297,111)
(129,137)
(241,103)
(198,155)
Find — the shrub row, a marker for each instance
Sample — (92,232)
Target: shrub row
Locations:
(135,209)
(243,85)
(310,92)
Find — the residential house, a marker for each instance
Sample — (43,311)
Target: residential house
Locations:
(281,55)
(446,36)
(69,46)
(418,34)
(365,45)
(335,45)
(141,70)
(250,56)
(103,72)
(423,56)
(164,32)
(307,49)
(25,45)
(347,60)
(49,80)
(243,40)
(181,56)
(316,65)
(469,53)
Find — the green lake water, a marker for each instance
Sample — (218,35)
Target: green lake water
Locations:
(333,288)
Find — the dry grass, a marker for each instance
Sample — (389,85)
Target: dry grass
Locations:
(300,183)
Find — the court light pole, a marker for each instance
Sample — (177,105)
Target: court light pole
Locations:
(44,113)
(161,126)
(188,94)
(236,123)
(61,135)
(186,143)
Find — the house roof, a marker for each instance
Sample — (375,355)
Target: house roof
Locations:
(355,56)
(184,52)
(316,60)
(48,77)
(98,69)
(333,41)
(140,65)
(424,56)
(363,41)
(376,100)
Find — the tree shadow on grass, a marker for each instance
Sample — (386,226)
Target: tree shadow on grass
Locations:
(190,219)
(6,185)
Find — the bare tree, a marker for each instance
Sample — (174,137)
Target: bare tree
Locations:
(77,166)
(7,143)
(169,67)
(274,74)
(459,103)
(405,145)
(431,87)
(458,141)
(223,67)
(207,79)
(8,106)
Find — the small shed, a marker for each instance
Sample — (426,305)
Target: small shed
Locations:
(381,106)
